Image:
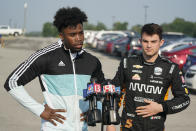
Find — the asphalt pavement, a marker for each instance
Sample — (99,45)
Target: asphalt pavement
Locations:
(14,117)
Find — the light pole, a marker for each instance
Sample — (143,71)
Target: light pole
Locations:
(145,14)
(10,22)
(113,20)
(25,13)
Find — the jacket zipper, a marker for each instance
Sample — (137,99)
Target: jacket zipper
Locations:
(75,86)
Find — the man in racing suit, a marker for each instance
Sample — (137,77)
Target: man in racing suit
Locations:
(147,78)
(64,69)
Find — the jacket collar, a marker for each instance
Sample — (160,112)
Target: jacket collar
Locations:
(149,63)
(74,55)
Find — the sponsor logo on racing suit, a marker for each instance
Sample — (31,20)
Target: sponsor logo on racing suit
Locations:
(145,88)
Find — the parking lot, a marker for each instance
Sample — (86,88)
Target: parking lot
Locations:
(13,117)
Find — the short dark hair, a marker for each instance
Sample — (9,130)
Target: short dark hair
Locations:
(152,29)
(68,17)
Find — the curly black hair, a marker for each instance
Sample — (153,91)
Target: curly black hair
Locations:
(68,17)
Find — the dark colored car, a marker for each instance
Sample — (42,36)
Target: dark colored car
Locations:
(102,42)
(135,47)
(135,50)
(109,45)
(122,48)
(173,36)
(191,60)
(179,55)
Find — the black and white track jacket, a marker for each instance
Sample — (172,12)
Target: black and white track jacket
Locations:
(63,76)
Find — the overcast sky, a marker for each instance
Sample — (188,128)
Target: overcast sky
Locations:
(106,11)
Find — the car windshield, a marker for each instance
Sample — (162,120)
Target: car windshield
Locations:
(113,38)
(109,36)
(166,43)
(180,48)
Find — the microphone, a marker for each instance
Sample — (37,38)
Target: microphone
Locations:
(96,93)
(111,110)
(90,89)
(110,95)
(108,89)
(117,95)
(114,115)
(91,94)
(87,94)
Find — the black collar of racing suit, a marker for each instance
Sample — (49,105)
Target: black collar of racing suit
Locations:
(149,63)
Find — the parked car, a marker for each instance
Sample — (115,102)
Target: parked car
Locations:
(109,45)
(179,55)
(169,38)
(187,40)
(173,36)
(190,78)
(102,41)
(172,45)
(6,30)
(135,47)
(89,36)
(122,47)
(101,34)
(109,38)
(191,60)
(135,50)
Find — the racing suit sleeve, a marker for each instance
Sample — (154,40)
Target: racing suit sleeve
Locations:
(98,73)
(119,78)
(181,99)
(24,73)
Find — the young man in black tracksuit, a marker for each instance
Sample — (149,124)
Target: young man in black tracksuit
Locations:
(147,78)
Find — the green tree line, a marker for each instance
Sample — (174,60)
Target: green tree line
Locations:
(181,25)
(177,25)
(49,30)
